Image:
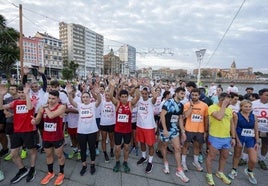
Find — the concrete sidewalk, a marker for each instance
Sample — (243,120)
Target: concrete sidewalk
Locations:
(137,177)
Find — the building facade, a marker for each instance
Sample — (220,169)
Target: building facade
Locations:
(112,64)
(127,54)
(83,46)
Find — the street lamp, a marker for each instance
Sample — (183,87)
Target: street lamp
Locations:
(199,54)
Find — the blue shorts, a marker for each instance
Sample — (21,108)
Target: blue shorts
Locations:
(220,143)
(248,141)
(172,133)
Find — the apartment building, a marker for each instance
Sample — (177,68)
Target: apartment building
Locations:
(127,54)
(52,54)
(83,46)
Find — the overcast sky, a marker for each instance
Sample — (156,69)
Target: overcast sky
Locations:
(160,26)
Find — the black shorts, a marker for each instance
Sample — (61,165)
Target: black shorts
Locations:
(119,136)
(2,117)
(2,128)
(195,136)
(98,122)
(134,126)
(107,128)
(9,128)
(23,138)
(55,144)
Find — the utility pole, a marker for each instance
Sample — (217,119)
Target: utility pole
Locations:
(21,43)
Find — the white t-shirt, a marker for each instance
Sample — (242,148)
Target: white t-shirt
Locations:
(235,107)
(261,111)
(72,118)
(87,121)
(232,89)
(37,99)
(108,113)
(157,106)
(134,111)
(145,115)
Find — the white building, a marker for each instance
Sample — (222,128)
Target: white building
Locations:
(127,54)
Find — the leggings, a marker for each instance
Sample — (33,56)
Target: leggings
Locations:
(90,140)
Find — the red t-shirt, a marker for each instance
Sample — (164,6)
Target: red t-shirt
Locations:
(53,128)
(22,116)
(123,119)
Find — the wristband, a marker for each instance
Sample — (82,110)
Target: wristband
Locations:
(233,138)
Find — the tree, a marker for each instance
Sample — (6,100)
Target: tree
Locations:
(69,71)
(9,50)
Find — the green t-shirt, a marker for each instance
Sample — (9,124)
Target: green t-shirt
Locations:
(220,128)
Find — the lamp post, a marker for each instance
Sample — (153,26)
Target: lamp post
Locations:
(199,54)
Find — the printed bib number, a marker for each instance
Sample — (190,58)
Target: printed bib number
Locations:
(174,118)
(122,118)
(248,133)
(21,109)
(50,127)
(196,118)
(86,114)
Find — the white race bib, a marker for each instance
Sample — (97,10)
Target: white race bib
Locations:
(50,127)
(21,109)
(86,113)
(174,118)
(196,118)
(122,118)
(248,133)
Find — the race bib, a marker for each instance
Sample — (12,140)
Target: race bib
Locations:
(86,113)
(122,118)
(248,133)
(50,127)
(174,118)
(21,109)
(196,118)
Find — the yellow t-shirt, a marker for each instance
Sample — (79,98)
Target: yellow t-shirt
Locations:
(195,122)
(220,128)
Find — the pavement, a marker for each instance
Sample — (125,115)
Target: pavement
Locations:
(105,176)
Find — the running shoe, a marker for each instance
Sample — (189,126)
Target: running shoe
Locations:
(263,165)
(47,178)
(251,177)
(166,169)
(97,151)
(59,179)
(232,174)
(83,170)
(182,176)
(117,166)
(31,175)
(126,167)
(200,158)
(78,155)
(184,167)
(2,177)
(159,154)
(106,157)
(210,180)
(8,157)
(242,162)
(149,168)
(92,169)
(21,174)
(23,154)
(198,166)
(141,161)
(223,178)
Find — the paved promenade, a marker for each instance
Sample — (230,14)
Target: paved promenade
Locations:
(137,177)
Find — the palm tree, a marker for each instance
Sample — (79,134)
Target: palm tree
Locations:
(9,50)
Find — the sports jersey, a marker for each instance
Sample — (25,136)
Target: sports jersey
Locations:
(72,118)
(123,119)
(36,99)
(134,111)
(87,121)
(261,111)
(107,113)
(53,128)
(195,122)
(245,127)
(22,116)
(145,114)
(174,110)
(222,128)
